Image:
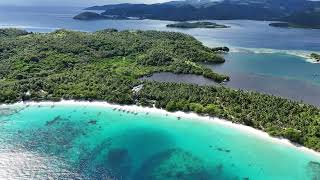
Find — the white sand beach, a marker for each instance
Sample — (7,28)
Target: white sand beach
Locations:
(212,120)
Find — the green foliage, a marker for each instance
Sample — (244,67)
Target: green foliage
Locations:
(104,65)
(12,32)
(292,134)
(196,107)
(156,57)
(107,65)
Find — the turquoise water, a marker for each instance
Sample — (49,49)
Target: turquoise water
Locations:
(82,142)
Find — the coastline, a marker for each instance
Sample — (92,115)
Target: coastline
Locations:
(306,55)
(192,116)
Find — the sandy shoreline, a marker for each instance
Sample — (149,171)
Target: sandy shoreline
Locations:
(299,53)
(193,116)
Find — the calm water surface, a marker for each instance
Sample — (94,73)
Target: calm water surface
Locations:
(242,34)
(80,142)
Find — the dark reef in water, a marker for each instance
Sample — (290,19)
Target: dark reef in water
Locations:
(9,111)
(56,137)
(314,170)
(173,164)
(119,161)
(52,122)
(223,150)
(93,122)
(177,164)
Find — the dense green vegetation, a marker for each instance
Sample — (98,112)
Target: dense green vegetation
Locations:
(221,49)
(315,56)
(293,11)
(12,32)
(306,19)
(103,65)
(188,25)
(107,65)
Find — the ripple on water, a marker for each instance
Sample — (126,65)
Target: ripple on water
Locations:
(29,165)
(8,111)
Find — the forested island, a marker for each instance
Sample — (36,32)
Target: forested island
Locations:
(96,16)
(308,19)
(291,25)
(281,24)
(107,65)
(189,25)
(295,13)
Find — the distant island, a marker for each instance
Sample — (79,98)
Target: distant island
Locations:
(96,16)
(315,56)
(310,20)
(296,13)
(108,65)
(291,25)
(281,24)
(189,25)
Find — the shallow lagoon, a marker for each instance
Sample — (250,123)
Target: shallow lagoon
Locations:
(95,142)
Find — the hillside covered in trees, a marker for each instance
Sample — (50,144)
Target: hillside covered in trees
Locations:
(107,65)
(103,65)
(296,13)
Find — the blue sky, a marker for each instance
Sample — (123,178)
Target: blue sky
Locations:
(72,2)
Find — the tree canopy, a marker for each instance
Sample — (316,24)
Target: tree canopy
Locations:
(107,65)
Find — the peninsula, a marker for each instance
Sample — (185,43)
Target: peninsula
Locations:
(97,16)
(107,66)
(297,13)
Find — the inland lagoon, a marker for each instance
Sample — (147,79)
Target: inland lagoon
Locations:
(82,140)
